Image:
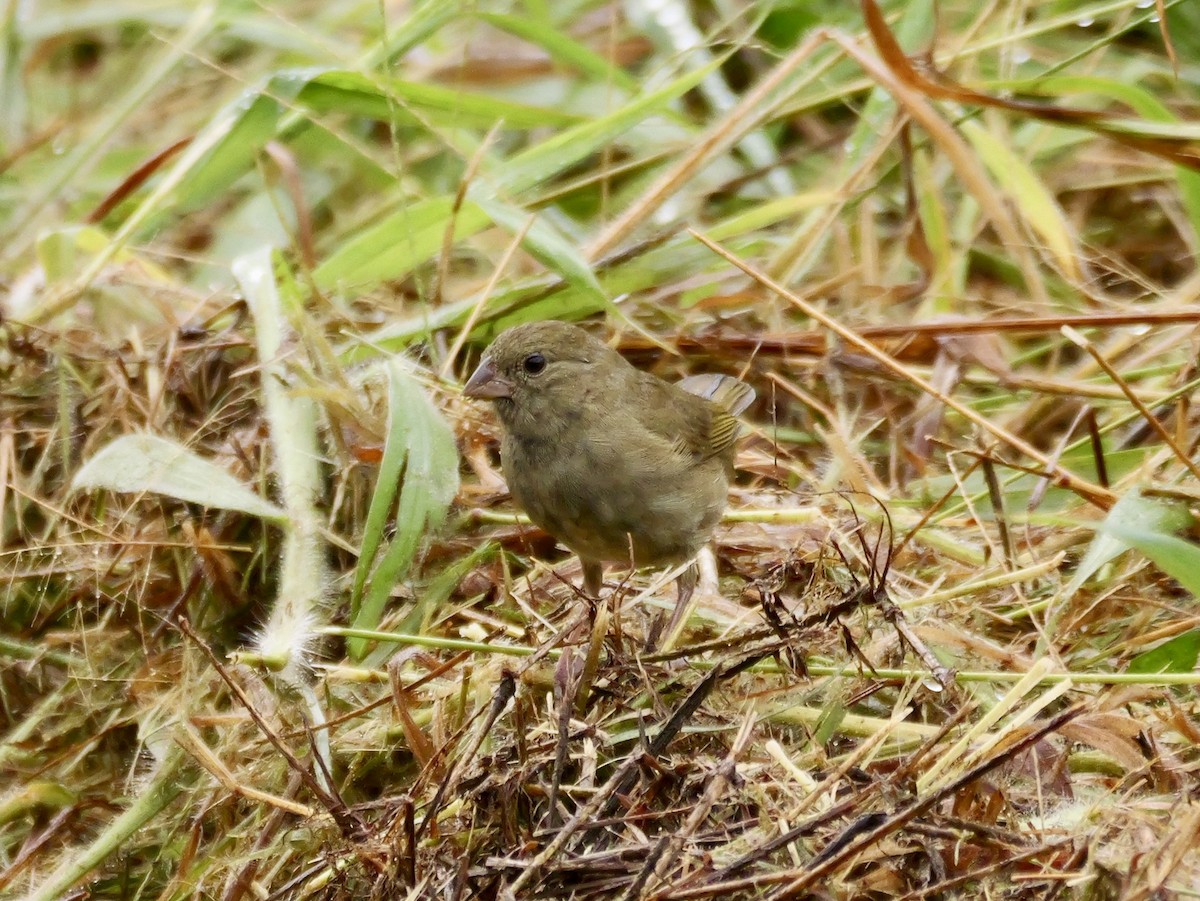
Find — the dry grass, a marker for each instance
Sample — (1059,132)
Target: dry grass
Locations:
(952,649)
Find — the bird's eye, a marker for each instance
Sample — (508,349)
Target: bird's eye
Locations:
(534,363)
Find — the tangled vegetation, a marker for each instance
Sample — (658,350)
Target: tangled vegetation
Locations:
(271,626)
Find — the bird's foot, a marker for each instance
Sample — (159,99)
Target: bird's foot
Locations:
(698,587)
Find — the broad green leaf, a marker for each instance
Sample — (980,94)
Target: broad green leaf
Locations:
(1132,517)
(1178,558)
(1175,656)
(546,244)
(1172,130)
(243,129)
(395,245)
(150,464)
(562,49)
(420,459)
(1141,101)
(1032,198)
(413,102)
(544,161)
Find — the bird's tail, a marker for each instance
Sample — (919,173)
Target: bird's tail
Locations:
(725,391)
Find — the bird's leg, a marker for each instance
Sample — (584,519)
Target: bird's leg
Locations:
(686,587)
(593,578)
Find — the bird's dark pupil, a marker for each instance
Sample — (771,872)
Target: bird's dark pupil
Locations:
(535,363)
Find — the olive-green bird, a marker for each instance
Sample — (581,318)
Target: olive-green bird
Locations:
(615,463)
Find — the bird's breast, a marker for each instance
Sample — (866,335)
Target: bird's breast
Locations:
(604,498)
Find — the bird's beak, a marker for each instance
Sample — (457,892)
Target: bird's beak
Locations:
(487,383)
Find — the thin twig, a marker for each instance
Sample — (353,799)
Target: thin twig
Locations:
(1146,412)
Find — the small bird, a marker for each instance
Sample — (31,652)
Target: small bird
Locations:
(615,463)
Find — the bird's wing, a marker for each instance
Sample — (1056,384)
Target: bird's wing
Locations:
(730,396)
(682,414)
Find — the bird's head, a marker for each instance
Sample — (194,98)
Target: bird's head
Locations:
(542,372)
